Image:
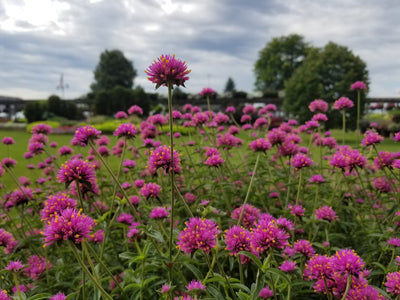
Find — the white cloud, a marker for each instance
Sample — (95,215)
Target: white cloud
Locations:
(218,39)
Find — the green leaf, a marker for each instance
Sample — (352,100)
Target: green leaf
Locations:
(255,259)
(40,296)
(196,272)
(215,292)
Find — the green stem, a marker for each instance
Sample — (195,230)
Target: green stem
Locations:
(358,111)
(343,124)
(15,277)
(299,187)
(349,279)
(249,189)
(86,270)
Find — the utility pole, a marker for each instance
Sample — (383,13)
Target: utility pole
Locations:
(61,86)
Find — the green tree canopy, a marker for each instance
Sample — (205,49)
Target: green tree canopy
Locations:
(230,86)
(113,70)
(327,74)
(278,60)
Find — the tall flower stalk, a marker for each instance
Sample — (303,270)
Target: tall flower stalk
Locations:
(358,86)
(342,104)
(169,71)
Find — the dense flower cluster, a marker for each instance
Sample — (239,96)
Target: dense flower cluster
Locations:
(161,158)
(85,134)
(343,103)
(199,234)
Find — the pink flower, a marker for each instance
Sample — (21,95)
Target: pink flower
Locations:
(159,213)
(121,115)
(127,130)
(36,266)
(168,70)
(358,85)
(8,140)
(14,266)
(260,144)
(161,158)
(300,161)
(59,296)
(237,239)
(214,160)
(348,262)
(296,210)
(85,134)
(267,234)
(134,109)
(343,103)
(71,224)
(265,293)
(196,285)
(41,128)
(288,266)
(326,213)
(249,217)
(371,138)
(76,169)
(150,190)
(393,283)
(230,110)
(200,233)
(55,204)
(318,105)
(207,91)
(304,247)
(7,240)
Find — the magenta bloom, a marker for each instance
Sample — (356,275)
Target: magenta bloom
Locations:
(8,162)
(85,134)
(396,137)
(134,109)
(127,130)
(59,296)
(55,204)
(393,283)
(19,196)
(168,70)
(190,198)
(237,239)
(318,105)
(326,213)
(214,160)
(165,288)
(371,138)
(348,262)
(36,266)
(230,110)
(260,144)
(265,293)
(200,234)
(316,179)
(150,190)
(207,91)
(300,161)
(14,266)
(8,140)
(228,140)
(65,150)
(358,85)
(250,215)
(318,267)
(125,218)
(3,295)
(296,210)
(267,234)
(249,109)
(276,136)
(7,240)
(288,266)
(304,247)
(121,115)
(320,117)
(76,169)
(41,128)
(159,213)
(161,158)
(196,285)
(343,103)
(395,242)
(71,225)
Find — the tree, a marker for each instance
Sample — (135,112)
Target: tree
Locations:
(327,74)
(230,86)
(113,70)
(278,60)
(34,111)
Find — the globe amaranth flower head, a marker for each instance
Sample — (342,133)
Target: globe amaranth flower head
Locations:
(19,196)
(134,109)
(207,91)
(326,213)
(36,266)
(393,283)
(14,266)
(237,239)
(150,190)
(8,241)
(159,212)
(358,85)
(260,144)
(76,169)
(267,234)
(41,128)
(346,261)
(59,296)
(300,161)
(371,138)
(168,70)
(161,158)
(8,141)
(318,105)
(214,160)
(85,134)
(195,285)
(121,115)
(343,103)
(127,130)
(266,293)
(54,204)
(70,224)
(250,215)
(200,233)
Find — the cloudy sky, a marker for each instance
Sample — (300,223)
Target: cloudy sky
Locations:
(40,39)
